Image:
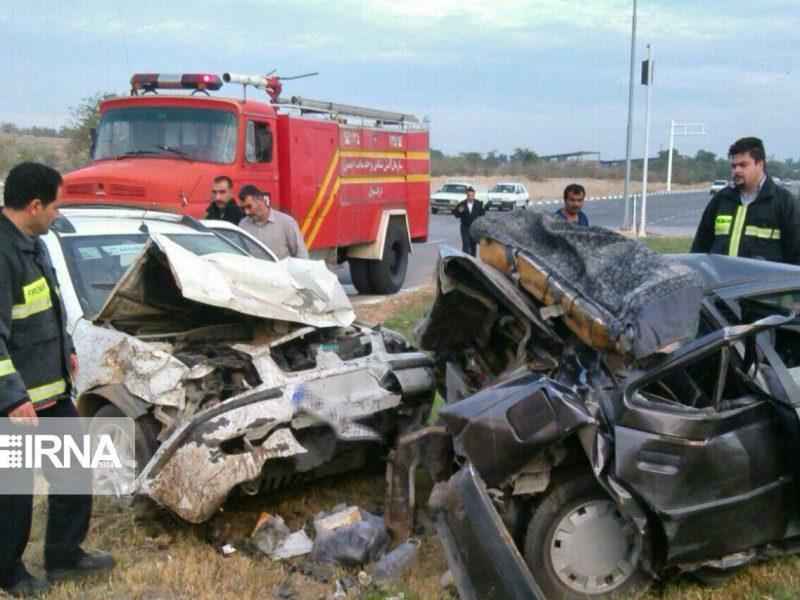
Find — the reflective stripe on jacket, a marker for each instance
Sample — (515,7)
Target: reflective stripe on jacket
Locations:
(768,228)
(34,343)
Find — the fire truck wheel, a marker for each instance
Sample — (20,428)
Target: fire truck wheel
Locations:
(359,273)
(387,275)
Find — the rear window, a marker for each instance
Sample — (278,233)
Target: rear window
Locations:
(97,263)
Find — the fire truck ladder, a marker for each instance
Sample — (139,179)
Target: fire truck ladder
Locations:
(346,110)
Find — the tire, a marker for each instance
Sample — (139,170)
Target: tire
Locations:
(387,275)
(145,434)
(359,273)
(435,211)
(578,545)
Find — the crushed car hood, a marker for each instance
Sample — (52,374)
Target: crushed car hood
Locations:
(293,290)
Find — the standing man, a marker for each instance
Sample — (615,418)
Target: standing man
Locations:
(468,211)
(37,359)
(277,231)
(572,211)
(753,219)
(223,205)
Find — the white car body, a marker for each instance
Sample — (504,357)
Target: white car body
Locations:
(451,193)
(245,241)
(230,365)
(507,196)
(717,186)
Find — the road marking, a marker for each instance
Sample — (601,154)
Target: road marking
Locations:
(433,242)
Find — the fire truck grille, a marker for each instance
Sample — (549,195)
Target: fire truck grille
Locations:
(80,189)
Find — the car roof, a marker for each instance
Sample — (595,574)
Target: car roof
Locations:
(113,220)
(734,277)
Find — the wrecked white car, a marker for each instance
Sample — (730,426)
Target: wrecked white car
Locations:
(239,373)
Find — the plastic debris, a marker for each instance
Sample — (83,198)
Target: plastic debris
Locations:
(392,565)
(316,570)
(227,550)
(296,544)
(270,531)
(349,537)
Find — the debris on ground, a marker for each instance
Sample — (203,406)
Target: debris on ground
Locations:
(296,544)
(318,571)
(392,565)
(227,550)
(273,537)
(349,537)
(285,591)
(269,532)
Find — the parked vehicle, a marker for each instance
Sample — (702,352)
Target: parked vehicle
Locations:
(572,465)
(449,195)
(240,373)
(508,196)
(718,186)
(356,180)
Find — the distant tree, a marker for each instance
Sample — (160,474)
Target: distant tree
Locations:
(524,156)
(83,118)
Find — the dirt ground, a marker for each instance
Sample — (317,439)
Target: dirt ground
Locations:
(552,188)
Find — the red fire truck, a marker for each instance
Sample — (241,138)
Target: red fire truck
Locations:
(357,180)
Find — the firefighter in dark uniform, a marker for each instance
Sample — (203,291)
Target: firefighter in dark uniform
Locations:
(37,360)
(755,218)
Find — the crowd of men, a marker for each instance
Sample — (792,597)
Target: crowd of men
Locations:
(754,218)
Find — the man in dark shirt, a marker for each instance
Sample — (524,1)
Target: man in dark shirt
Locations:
(223,205)
(753,219)
(468,211)
(574,197)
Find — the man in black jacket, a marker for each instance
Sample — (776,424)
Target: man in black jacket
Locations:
(468,211)
(753,219)
(37,359)
(223,205)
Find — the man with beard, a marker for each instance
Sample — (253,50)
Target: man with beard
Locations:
(753,219)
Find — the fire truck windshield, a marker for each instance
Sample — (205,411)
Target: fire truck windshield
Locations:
(167,132)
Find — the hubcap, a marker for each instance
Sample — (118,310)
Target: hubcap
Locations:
(111,481)
(594,549)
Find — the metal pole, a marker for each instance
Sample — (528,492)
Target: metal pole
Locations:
(643,217)
(669,158)
(628,223)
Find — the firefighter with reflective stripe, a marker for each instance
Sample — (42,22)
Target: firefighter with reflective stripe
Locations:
(37,360)
(753,219)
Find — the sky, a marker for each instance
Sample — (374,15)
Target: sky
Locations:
(551,75)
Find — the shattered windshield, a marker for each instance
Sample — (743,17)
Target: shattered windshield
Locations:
(167,132)
(96,263)
(453,188)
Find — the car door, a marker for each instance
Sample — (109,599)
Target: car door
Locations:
(707,449)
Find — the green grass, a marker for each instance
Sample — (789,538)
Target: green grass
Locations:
(668,245)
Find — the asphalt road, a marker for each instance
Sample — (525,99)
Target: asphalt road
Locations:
(675,214)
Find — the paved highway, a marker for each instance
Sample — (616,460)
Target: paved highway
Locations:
(675,214)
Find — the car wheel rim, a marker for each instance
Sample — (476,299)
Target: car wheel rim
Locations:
(116,482)
(594,549)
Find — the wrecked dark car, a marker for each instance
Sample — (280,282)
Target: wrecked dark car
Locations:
(612,415)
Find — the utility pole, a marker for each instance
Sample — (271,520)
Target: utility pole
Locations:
(628,222)
(680,129)
(647,79)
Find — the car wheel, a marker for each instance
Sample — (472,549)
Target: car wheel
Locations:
(435,211)
(387,275)
(578,544)
(359,274)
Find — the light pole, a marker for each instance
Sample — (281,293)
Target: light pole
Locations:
(647,79)
(628,222)
(680,129)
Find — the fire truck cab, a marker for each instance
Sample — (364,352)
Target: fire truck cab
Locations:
(356,180)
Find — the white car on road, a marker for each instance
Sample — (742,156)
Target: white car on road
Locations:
(717,186)
(451,194)
(508,196)
(239,373)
